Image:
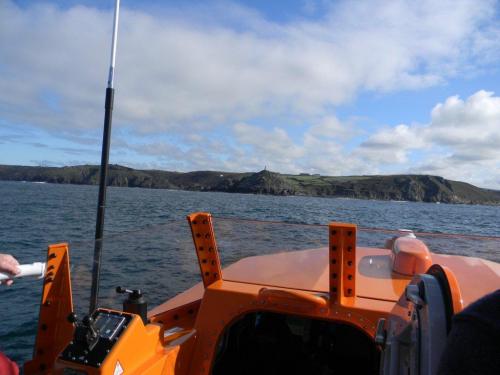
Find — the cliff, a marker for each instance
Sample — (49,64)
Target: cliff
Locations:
(418,188)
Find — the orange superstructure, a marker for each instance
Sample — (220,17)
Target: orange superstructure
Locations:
(331,309)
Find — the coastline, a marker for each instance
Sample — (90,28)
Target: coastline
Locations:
(400,188)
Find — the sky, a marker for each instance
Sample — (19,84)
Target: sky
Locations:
(298,86)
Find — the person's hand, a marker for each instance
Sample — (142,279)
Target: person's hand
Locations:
(9,265)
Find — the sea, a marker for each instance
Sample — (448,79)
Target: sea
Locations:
(148,244)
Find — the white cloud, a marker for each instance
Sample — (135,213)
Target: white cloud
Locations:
(470,132)
(390,145)
(273,148)
(460,142)
(227,64)
(472,125)
(331,127)
(319,149)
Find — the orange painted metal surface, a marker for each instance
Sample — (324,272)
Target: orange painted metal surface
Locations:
(302,269)
(54,330)
(309,270)
(181,317)
(476,277)
(456,294)
(342,256)
(296,300)
(410,256)
(190,295)
(206,247)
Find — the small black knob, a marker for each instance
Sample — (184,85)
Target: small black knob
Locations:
(87,321)
(72,318)
(120,290)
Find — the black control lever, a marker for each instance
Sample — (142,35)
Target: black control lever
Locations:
(134,292)
(86,333)
(135,303)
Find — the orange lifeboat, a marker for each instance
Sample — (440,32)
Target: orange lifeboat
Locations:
(337,309)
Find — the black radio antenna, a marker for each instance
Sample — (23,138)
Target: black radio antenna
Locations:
(101,205)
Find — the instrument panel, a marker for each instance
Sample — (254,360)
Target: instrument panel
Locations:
(109,326)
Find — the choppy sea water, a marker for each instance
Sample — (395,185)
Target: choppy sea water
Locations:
(148,243)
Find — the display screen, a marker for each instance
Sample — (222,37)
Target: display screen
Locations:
(109,325)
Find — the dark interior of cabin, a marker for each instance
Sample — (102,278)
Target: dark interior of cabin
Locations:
(270,344)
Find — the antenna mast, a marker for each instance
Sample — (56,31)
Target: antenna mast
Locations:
(101,205)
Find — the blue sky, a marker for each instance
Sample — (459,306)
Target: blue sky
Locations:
(337,88)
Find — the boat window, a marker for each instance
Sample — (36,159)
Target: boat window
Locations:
(270,344)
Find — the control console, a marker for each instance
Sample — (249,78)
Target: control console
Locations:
(95,337)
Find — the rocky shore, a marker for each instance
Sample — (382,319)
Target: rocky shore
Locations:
(417,188)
